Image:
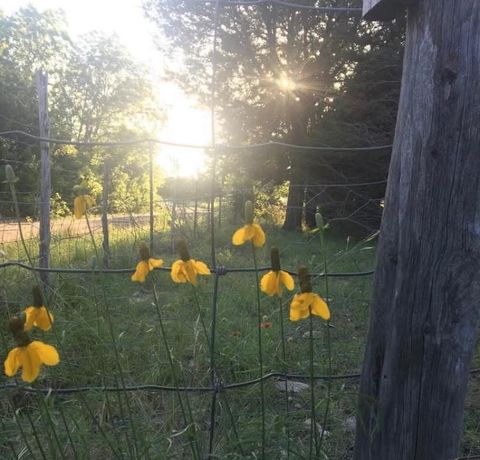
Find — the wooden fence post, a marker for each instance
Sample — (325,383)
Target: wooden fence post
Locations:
(45,182)
(424,313)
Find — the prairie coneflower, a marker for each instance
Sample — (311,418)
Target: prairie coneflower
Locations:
(146,265)
(186,269)
(307,302)
(37,315)
(250,231)
(28,355)
(81,204)
(272,283)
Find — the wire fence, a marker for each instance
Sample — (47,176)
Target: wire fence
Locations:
(219,374)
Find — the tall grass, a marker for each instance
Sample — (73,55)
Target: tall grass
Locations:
(112,332)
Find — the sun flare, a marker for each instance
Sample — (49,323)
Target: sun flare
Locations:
(185,125)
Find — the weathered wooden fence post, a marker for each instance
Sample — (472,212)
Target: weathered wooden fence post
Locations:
(45,181)
(425,306)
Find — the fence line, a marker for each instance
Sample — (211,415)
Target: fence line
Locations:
(6,134)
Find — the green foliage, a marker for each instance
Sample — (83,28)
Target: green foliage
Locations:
(97,92)
(298,77)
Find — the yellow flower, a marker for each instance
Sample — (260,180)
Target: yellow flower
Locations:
(306,302)
(81,204)
(187,270)
(249,232)
(146,265)
(39,317)
(30,358)
(271,283)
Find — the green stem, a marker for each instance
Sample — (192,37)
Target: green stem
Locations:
(223,395)
(193,437)
(329,345)
(92,238)
(285,370)
(260,353)
(17,213)
(313,420)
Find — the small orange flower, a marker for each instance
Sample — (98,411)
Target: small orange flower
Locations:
(146,265)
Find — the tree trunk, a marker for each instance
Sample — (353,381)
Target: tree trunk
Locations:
(293,216)
(427,285)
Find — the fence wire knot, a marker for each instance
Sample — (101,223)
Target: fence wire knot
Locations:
(220,270)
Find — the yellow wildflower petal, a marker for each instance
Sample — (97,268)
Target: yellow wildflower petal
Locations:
(44,319)
(47,354)
(79,207)
(320,307)
(287,280)
(238,237)
(299,307)
(141,272)
(30,363)
(258,238)
(154,263)
(12,363)
(176,272)
(30,316)
(190,272)
(89,201)
(269,283)
(201,267)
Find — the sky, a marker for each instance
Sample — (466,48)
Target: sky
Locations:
(187,122)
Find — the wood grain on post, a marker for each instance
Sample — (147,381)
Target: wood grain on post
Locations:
(45,182)
(384,10)
(425,306)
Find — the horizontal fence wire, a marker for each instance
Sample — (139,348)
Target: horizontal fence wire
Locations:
(193,389)
(7,134)
(219,270)
(286,4)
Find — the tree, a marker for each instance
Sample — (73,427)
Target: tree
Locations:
(280,73)
(97,93)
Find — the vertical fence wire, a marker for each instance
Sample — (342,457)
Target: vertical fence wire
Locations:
(213,373)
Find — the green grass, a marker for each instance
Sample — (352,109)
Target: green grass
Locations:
(108,332)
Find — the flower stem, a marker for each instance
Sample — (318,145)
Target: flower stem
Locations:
(260,353)
(329,345)
(313,419)
(92,237)
(192,434)
(285,370)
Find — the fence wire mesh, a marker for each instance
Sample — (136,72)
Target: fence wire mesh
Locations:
(171,372)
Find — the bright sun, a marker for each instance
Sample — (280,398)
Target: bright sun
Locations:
(185,125)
